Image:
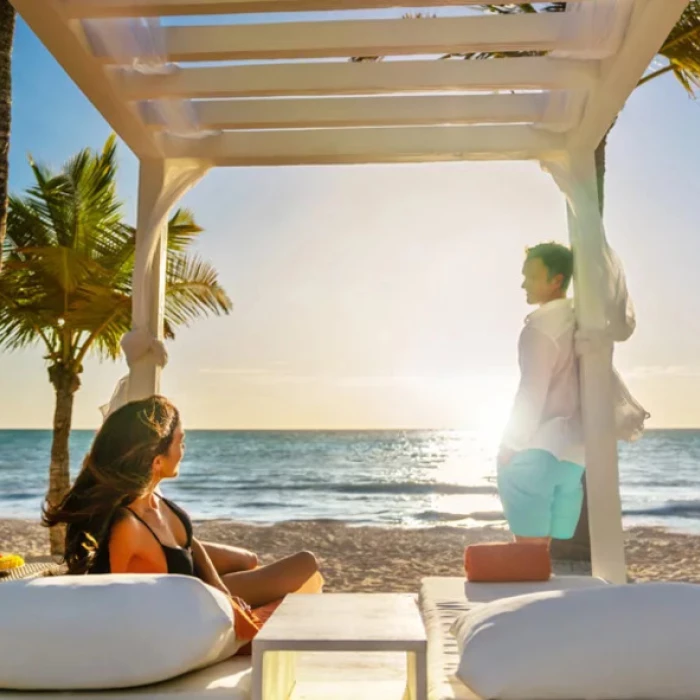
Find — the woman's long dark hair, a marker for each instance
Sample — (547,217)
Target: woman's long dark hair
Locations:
(116,471)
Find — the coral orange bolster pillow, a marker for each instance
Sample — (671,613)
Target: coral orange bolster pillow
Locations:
(508,561)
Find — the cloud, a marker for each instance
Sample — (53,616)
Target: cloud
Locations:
(267,377)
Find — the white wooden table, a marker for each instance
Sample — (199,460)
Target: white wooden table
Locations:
(338,622)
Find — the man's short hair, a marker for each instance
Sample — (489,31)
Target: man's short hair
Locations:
(557,258)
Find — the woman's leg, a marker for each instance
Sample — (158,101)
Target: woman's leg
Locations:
(227,559)
(274,581)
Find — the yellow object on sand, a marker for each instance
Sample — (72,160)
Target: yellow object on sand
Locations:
(10,561)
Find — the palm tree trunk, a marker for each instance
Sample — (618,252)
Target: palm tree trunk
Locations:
(578,548)
(65,383)
(7,31)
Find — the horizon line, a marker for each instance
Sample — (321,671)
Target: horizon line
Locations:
(339,430)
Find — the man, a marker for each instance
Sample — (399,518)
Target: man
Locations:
(541,456)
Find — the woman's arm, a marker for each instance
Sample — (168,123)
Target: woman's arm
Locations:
(205,568)
(244,620)
(131,553)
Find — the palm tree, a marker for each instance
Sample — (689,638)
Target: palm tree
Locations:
(7,32)
(66,283)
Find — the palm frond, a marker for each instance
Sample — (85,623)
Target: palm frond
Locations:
(50,199)
(104,316)
(193,290)
(182,231)
(64,266)
(92,181)
(24,320)
(17,330)
(682,48)
(25,227)
(527,8)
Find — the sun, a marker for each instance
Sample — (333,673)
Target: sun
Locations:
(493,415)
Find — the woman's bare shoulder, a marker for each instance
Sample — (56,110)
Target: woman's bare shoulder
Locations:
(133,549)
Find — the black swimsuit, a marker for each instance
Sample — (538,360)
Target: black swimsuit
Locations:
(178,559)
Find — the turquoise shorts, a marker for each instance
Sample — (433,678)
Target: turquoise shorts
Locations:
(541,496)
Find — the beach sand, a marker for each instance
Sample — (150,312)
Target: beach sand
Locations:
(389,559)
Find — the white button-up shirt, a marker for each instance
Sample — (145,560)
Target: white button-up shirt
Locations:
(546,410)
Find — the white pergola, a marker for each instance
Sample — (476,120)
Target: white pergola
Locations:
(186,98)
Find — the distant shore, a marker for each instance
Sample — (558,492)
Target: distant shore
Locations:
(388,559)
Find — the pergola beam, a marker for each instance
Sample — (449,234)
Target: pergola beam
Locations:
(650,24)
(367,78)
(343,39)
(72,53)
(77,9)
(371,145)
(364,111)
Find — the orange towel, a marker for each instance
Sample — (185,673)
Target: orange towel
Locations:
(246,622)
(512,561)
(264,612)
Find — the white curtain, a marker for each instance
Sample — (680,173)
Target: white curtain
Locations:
(607,281)
(138,45)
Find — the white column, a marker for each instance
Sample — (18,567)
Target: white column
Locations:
(148,301)
(161,184)
(578,180)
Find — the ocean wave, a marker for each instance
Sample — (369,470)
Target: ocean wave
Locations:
(435,516)
(677,509)
(20,496)
(662,483)
(388,488)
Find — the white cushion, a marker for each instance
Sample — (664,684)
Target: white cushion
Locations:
(444,598)
(634,642)
(111,631)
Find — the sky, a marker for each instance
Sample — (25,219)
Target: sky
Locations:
(385,296)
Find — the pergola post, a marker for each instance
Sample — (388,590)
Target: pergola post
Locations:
(148,300)
(161,184)
(576,177)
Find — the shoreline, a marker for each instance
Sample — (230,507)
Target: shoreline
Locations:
(375,558)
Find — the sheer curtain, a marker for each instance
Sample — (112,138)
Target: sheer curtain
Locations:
(606,282)
(594,31)
(138,45)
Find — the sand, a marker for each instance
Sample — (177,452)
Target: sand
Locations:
(384,559)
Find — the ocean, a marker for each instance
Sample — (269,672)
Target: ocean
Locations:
(389,478)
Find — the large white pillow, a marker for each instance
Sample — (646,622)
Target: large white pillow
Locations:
(634,642)
(111,631)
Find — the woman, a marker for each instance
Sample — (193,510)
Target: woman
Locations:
(118,523)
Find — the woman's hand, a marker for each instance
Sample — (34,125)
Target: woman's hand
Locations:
(242,604)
